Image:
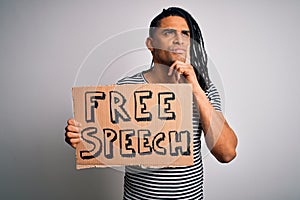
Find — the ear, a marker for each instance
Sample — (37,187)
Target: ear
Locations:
(149,44)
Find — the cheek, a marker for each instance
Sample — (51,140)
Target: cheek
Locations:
(160,53)
(162,44)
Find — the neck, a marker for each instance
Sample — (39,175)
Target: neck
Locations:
(159,74)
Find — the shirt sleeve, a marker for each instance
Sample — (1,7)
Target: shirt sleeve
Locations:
(214,97)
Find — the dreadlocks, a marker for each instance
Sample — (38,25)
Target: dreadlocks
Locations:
(198,54)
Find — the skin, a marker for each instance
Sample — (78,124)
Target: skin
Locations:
(170,50)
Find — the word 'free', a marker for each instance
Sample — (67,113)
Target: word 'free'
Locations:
(141,110)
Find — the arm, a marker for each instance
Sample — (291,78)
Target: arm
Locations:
(219,137)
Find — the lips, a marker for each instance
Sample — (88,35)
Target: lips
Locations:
(178,50)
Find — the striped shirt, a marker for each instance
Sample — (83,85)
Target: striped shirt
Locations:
(171,182)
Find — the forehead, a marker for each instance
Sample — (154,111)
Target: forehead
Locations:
(174,22)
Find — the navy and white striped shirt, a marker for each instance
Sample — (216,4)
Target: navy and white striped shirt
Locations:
(172,182)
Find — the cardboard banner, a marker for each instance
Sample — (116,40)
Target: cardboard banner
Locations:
(134,124)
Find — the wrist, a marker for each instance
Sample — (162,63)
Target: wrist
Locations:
(197,90)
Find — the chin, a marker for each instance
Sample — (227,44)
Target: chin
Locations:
(179,58)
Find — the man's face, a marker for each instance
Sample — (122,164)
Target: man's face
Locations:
(171,41)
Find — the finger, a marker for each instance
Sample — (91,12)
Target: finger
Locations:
(71,128)
(178,76)
(71,135)
(73,142)
(171,68)
(188,56)
(74,122)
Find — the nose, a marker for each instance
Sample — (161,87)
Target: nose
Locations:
(178,39)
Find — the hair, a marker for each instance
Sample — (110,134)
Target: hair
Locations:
(198,56)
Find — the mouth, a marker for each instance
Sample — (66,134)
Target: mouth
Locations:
(178,51)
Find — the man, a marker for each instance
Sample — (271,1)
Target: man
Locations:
(179,56)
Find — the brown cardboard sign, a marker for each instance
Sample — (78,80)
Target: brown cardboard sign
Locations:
(134,124)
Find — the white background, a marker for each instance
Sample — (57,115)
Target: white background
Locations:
(253,44)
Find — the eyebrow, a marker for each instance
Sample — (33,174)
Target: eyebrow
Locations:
(185,31)
(167,29)
(171,29)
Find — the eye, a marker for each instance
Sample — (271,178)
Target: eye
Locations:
(169,32)
(186,33)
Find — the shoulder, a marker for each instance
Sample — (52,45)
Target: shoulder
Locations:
(214,96)
(135,79)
